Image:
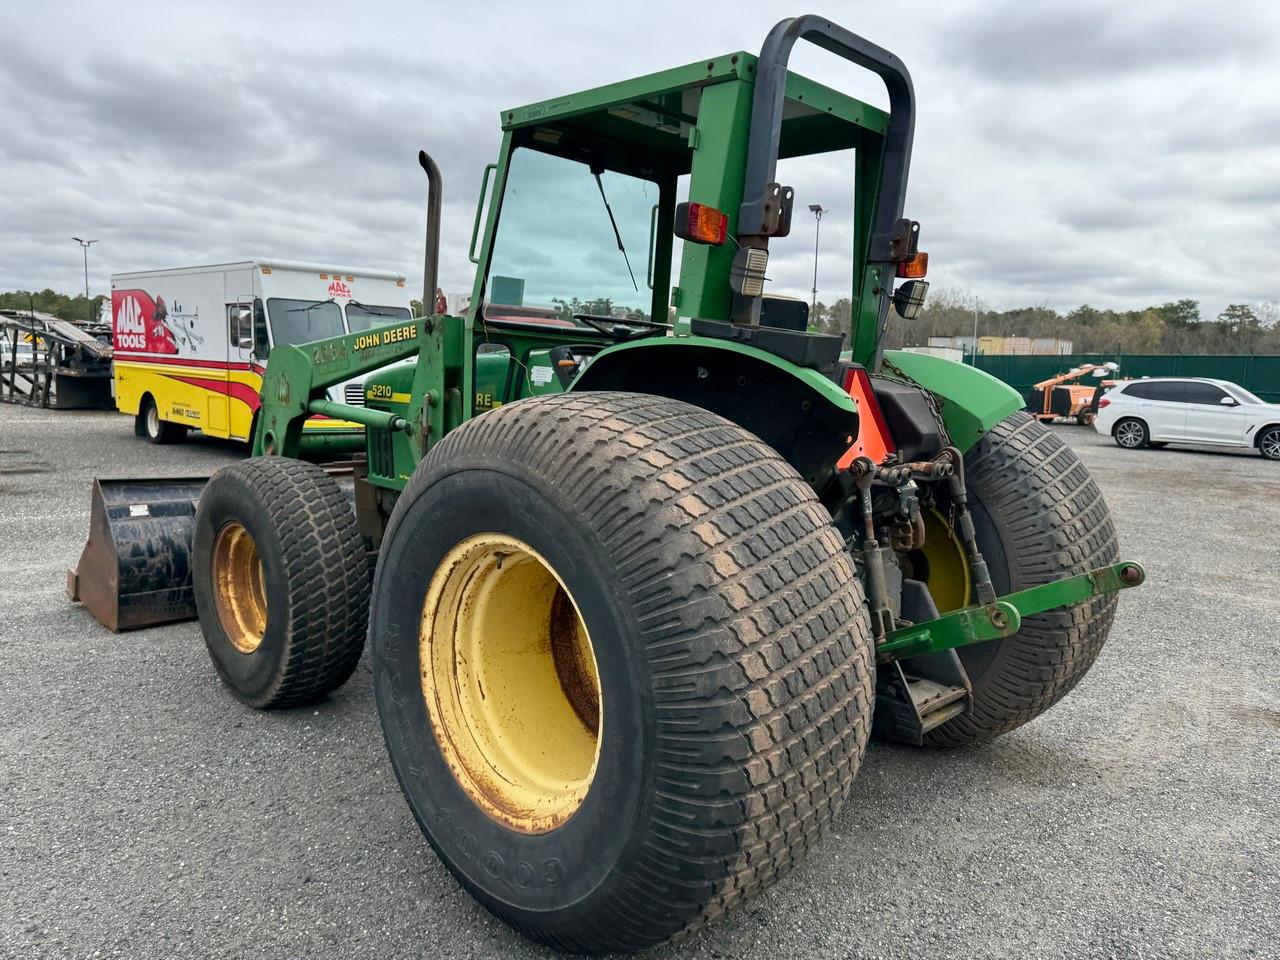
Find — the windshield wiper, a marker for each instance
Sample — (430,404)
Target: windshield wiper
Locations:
(375,311)
(310,308)
(595,172)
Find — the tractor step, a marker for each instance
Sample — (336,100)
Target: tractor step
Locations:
(908,706)
(916,694)
(929,696)
(936,703)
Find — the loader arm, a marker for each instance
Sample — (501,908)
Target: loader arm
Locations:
(298,376)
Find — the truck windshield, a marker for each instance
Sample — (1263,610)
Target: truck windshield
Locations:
(361,316)
(570,240)
(302,321)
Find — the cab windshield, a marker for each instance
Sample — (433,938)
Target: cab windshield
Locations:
(362,316)
(302,321)
(557,253)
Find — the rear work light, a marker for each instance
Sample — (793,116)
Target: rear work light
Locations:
(873,440)
(909,298)
(747,272)
(698,223)
(914,267)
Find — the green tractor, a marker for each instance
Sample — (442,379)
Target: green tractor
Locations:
(652,559)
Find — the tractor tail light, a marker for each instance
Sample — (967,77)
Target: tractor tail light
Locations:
(873,440)
(699,223)
(914,267)
(1104,402)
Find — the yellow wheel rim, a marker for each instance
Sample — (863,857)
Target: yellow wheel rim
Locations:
(510,682)
(945,565)
(238,589)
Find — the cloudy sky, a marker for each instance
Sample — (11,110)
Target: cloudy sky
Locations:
(1115,154)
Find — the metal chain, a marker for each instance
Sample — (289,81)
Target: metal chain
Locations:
(929,398)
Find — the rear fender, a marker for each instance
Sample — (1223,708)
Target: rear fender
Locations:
(798,411)
(970,400)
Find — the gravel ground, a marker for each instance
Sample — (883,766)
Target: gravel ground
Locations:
(145,813)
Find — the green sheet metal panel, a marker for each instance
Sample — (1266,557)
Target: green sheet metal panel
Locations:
(971,401)
(1261,374)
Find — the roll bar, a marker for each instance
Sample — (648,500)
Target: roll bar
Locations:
(766,121)
(766,206)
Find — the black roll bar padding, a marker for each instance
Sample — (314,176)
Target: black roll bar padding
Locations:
(766,115)
(431,257)
(766,130)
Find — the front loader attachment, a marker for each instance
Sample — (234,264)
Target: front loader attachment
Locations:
(135,570)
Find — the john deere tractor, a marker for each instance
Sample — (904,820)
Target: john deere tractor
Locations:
(642,561)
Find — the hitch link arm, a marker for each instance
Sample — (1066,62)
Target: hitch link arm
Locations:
(1004,616)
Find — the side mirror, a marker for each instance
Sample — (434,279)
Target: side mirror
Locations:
(1229,402)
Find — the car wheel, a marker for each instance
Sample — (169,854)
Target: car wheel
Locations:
(1130,434)
(149,424)
(1269,443)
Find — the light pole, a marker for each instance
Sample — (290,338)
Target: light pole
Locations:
(84,245)
(975,329)
(817,211)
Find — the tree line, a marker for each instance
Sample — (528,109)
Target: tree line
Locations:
(1176,327)
(60,305)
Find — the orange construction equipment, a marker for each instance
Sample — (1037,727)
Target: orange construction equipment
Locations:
(1059,398)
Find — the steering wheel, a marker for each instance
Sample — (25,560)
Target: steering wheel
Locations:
(617,327)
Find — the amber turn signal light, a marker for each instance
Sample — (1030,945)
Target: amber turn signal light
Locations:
(698,223)
(914,267)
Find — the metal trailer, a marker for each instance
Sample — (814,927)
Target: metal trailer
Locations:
(49,362)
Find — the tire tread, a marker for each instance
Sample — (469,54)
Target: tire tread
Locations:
(755,635)
(326,576)
(1054,523)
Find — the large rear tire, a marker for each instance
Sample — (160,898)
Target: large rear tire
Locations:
(622,665)
(1039,517)
(281,581)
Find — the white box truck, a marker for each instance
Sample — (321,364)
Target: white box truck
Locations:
(192,344)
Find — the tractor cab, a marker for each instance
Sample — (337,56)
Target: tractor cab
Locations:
(581,213)
(580,283)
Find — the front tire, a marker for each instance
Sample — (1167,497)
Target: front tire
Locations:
(1131,433)
(710,702)
(1269,443)
(281,581)
(1039,517)
(149,424)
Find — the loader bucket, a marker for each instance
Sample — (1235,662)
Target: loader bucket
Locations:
(135,570)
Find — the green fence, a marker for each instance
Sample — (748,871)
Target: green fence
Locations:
(1259,374)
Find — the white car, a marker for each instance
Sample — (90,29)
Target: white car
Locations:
(1158,410)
